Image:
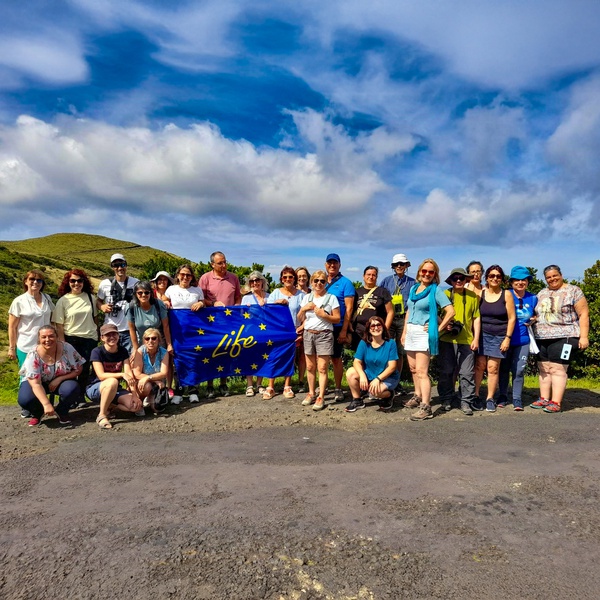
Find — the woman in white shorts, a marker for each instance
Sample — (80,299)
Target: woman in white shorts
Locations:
(421,332)
(319,312)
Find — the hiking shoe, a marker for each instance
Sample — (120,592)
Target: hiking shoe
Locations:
(413,402)
(466,408)
(541,403)
(386,404)
(423,413)
(176,400)
(194,398)
(224,391)
(338,395)
(34,422)
(210,392)
(308,400)
(490,405)
(63,420)
(355,405)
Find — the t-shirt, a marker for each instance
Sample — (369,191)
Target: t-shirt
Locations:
(311,321)
(183,297)
(217,289)
(294,302)
(111,361)
(124,297)
(399,288)
(525,309)
(341,287)
(31,318)
(374,306)
(250,299)
(75,312)
(68,361)
(466,309)
(419,310)
(144,319)
(557,317)
(375,360)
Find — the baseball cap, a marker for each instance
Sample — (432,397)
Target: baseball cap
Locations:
(333,256)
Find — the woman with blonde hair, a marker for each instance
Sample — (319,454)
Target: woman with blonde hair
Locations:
(420,337)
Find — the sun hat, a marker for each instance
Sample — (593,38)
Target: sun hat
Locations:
(520,272)
(400,258)
(457,271)
(163,274)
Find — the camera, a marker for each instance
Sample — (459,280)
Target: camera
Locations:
(455,328)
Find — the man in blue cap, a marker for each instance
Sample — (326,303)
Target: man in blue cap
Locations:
(341,287)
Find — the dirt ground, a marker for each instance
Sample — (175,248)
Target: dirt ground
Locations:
(243,498)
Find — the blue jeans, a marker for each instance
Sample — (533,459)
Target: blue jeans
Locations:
(515,363)
(68,392)
(125,341)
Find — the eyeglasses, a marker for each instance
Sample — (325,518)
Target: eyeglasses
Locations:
(142,293)
(321,281)
(75,281)
(458,278)
(375,326)
(185,275)
(119,265)
(494,276)
(151,338)
(427,272)
(475,272)
(35,280)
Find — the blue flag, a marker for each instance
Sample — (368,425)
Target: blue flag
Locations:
(233,340)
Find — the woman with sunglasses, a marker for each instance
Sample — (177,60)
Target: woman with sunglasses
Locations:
(75,317)
(319,312)
(374,368)
(498,319)
(147,311)
(421,333)
(151,367)
(185,294)
(27,313)
(289,295)
(562,328)
(257,294)
(518,352)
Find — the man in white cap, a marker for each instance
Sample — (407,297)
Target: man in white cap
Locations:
(114,296)
(398,285)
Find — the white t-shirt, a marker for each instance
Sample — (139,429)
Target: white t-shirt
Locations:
(328,302)
(183,297)
(120,319)
(31,318)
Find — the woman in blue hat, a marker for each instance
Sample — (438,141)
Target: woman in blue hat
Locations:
(518,351)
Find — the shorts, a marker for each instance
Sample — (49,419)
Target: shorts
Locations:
(550,350)
(391,382)
(93,392)
(319,343)
(489,345)
(337,347)
(417,339)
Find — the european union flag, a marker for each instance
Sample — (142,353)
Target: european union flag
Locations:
(233,340)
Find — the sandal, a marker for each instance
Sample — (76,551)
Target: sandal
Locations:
(310,398)
(104,423)
(249,391)
(552,407)
(288,392)
(269,393)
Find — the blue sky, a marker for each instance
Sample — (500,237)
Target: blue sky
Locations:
(280,132)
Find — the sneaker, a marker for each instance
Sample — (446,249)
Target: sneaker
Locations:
(502,404)
(518,405)
(308,400)
(447,405)
(210,392)
(466,408)
(176,400)
(355,405)
(423,413)
(477,405)
(552,407)
(194,398)
(63,420)
(171,393)
(319,404)
(413,402)
(541,403)
(25,414)
(224,391)
(386,404)
(34,422)
(490,405)
(338,395)
(140,413)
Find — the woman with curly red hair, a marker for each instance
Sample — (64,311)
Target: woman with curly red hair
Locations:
(75,317)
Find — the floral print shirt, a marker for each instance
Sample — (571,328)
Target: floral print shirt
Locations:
(68,360)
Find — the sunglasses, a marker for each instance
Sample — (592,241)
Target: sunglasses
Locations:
(322,281)
(75,280)
(375,326)
(287,277)
(185,275)
(254,281)
(142,293)
(458,278)
(427,272)
(119,265)
(35,280)
(151,338)
(494,276)
(394,265)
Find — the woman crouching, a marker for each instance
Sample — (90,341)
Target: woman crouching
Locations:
(151,367)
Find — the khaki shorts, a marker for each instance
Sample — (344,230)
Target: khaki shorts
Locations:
(319,343)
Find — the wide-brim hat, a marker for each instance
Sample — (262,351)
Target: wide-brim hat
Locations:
(457,271)
(162,274)
(400,258)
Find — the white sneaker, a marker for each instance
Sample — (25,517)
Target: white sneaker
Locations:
(140,413)
(194,398)
(146,402)
(176,400)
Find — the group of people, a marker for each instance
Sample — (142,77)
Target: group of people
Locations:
(473,327)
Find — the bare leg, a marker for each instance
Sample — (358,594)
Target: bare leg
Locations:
(545,379)
(480,366)
(338,372)
(322,365)
(558,374)
(422,376)
(493,369)
(311,372)
(353,382)
(108,390)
